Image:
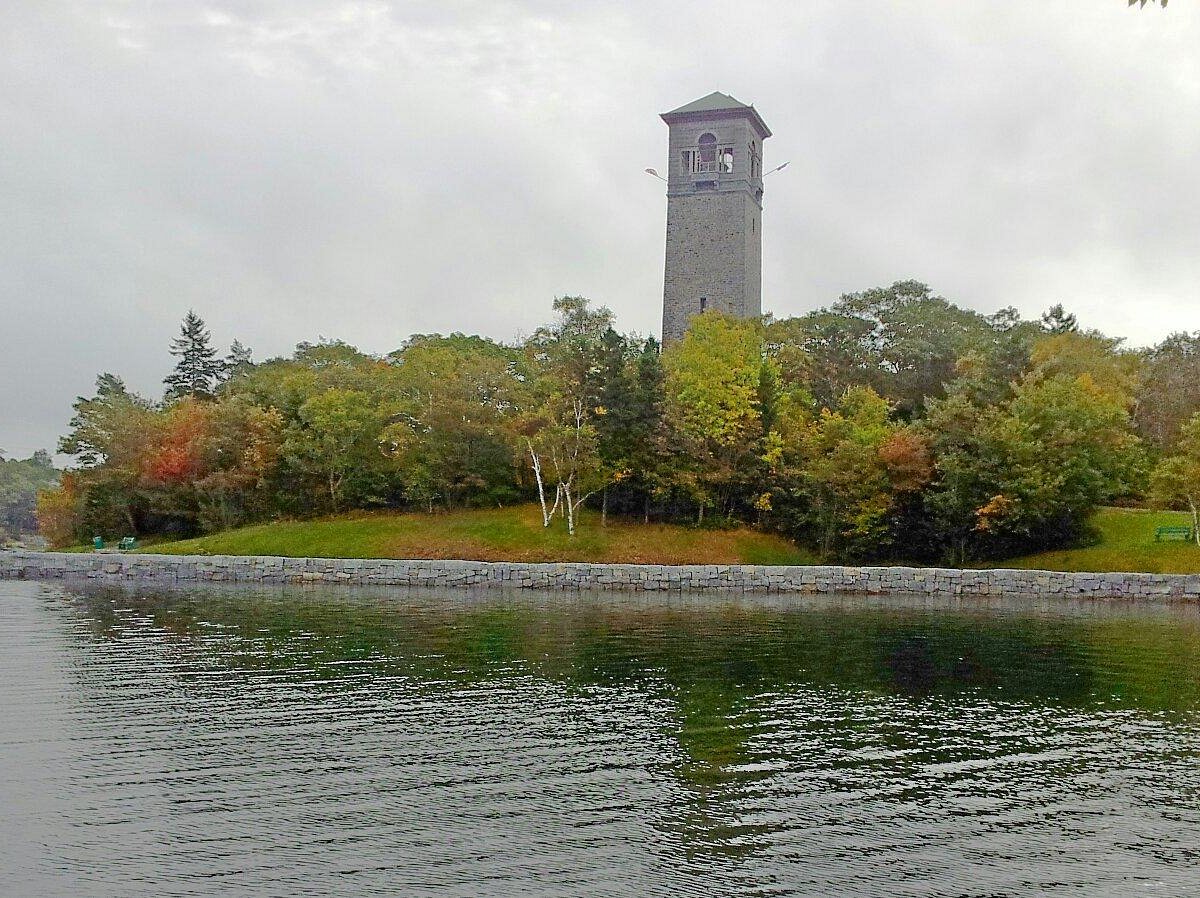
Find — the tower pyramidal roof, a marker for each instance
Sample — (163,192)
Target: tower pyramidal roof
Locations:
(717,102)
(713,102)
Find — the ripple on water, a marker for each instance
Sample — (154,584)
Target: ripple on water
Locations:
(301,743)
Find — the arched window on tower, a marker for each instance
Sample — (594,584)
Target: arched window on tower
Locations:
(708,156)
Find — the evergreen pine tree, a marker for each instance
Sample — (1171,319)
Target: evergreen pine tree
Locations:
(239,359)
(198,370)
(1057,320)
(630,392)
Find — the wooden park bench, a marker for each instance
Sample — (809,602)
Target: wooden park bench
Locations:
(1166,533)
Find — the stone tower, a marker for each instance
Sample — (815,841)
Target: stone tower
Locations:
(714,212)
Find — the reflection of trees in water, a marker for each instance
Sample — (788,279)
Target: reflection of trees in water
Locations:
(727,674)
(710,659)
(711,663)
(1024,666)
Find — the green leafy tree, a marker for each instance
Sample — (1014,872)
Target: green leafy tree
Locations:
(917,339)
(1029,473)
(108,437)
(840,474)
(105,428)
(989,371)
(20,482)
(286,384)
(828,351)
(1168,390)
(567,447)
(564,365)
(240,452)
(569,351)
(1084,446)
(1073,354)
(452,434)
(59,512)
(335,439)
(902,341)
(1175,481)
(713,407)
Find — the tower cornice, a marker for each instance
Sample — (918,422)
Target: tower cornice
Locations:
(717,106)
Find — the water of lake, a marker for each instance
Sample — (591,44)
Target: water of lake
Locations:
(294,743)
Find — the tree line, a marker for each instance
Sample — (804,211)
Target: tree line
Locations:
(21,479)
(891,424)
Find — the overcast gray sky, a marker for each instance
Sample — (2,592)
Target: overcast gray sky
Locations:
(366,170)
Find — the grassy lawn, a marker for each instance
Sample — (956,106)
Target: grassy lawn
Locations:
(1127,544)
(516,534)
(507,534)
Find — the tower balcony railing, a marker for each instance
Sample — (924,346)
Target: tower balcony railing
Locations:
(702,161)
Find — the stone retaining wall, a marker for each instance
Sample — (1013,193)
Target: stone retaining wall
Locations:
(577,576)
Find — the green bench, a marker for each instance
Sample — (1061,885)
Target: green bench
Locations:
(1166,533)
(125,545)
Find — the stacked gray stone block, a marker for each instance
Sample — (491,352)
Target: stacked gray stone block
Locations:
(184,569)
(714,215)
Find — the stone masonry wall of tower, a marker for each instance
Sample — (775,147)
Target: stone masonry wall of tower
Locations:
(714,212)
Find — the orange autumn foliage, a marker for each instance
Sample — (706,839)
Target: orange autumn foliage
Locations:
(177,455)
(908,460)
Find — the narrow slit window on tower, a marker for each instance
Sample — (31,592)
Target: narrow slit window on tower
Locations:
(703,303)
(706,154)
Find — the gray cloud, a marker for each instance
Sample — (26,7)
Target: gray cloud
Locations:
(367,170)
